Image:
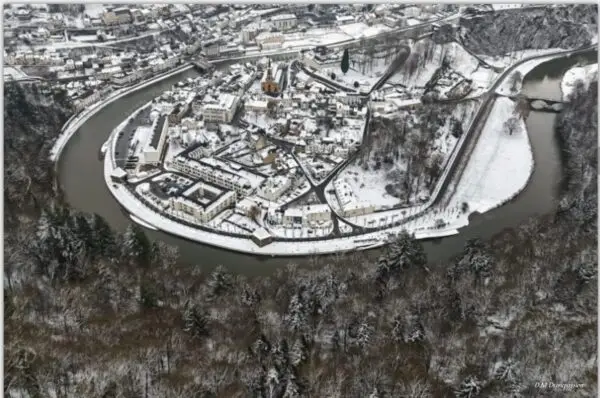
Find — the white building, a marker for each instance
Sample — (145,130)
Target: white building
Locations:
(307,215)
(321,60)
(351,207)
(245,206)
(154,146)
(203,213)
(274,187)
(284,21)
(249,33)
(218,176)
(258,106)
(268,40)
(221,111)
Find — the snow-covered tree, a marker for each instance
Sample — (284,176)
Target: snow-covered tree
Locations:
(469,388)
(195,321)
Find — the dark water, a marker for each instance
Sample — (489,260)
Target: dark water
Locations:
(80,174)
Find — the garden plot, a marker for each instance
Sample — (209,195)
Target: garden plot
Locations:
(404,156)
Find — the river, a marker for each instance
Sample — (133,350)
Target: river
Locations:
(80,175)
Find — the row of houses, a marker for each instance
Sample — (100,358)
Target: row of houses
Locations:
(201,170)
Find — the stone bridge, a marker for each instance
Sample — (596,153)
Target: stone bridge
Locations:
(542,104)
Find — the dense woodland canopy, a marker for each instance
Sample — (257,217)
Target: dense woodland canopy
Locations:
(561,26)
(93,313)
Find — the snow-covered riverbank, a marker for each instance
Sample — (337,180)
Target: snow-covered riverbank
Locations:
(584,73)
(76,122)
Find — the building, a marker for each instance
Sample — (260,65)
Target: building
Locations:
(212,50)
(117,16)
(307,215)
(249,33)
(355,209)
(261,237)
(349,204)
(118,175)
(269,40)
(179,112)
(246,207)
(274,187)
(284,21)
(344,19)
(213,174)
(155,145)
(257,106)
(272,80)
(221,111)
(203,201)
(322,58)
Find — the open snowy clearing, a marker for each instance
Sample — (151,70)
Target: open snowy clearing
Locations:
(500,165)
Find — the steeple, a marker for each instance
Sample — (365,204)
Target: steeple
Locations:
(269,72)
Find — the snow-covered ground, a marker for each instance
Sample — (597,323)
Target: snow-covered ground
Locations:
(498,169)
(514,57)
(500,165)
(505,88)
(94,10)
(586,74)
(370,185)
(459,61)
(142,223)
(13,73)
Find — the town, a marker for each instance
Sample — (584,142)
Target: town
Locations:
(306,129)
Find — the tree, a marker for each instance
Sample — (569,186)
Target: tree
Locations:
(356,84)
(345,61)
(511,125)
(136,246)
(333,76)
(515,81)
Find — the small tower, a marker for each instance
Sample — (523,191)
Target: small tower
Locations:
(269,72)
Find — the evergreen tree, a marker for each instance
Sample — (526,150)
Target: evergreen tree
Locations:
(136,246)
(345,62)
(104,243)
(195,321)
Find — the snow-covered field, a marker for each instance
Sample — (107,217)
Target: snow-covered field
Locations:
(500,165)
(586,74)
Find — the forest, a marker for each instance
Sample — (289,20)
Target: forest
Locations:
(91,312)
(561,26)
